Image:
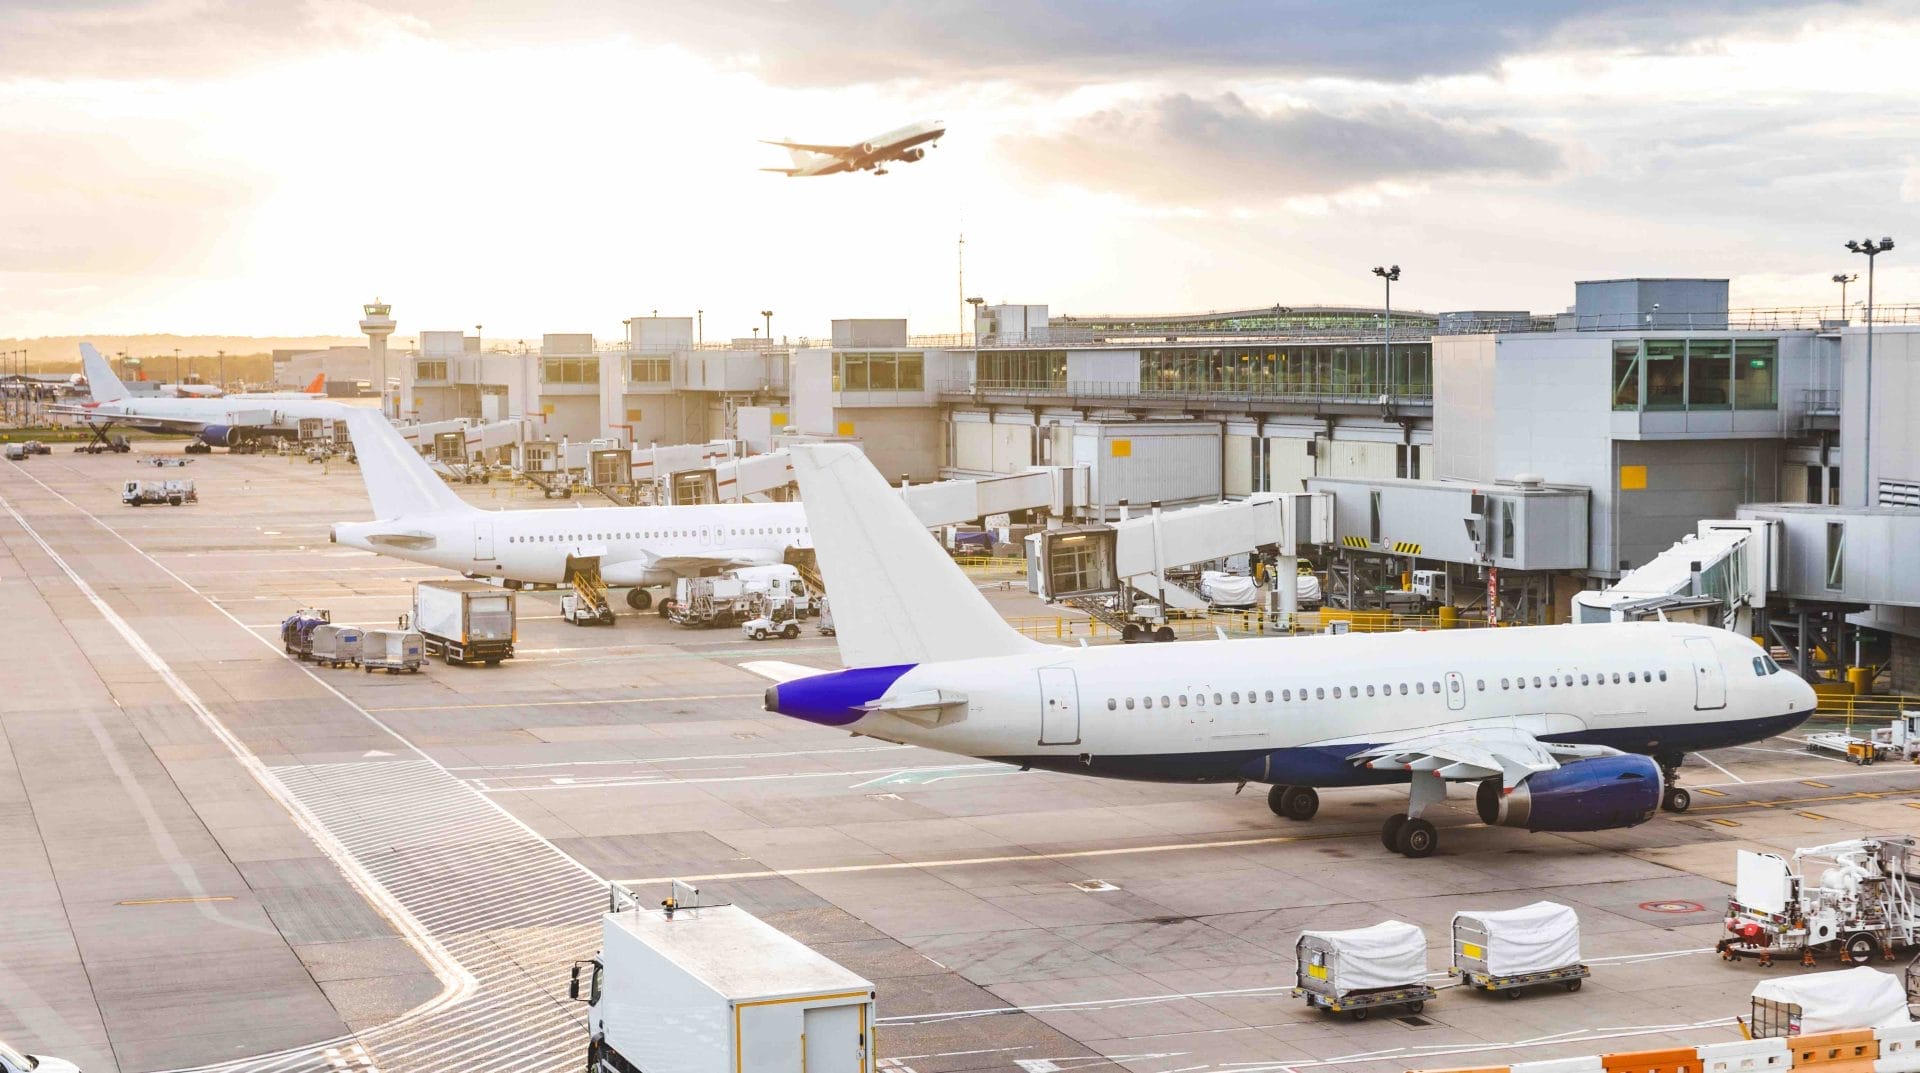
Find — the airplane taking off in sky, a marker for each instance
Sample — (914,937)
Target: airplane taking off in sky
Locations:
(420,519)
(1564,728)
(218,422)
(905,145)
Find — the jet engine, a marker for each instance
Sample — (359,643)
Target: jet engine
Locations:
(1586,795)
(217,435)
(866,148)
(911,155)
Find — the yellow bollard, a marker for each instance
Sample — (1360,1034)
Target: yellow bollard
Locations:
(1449,617)
(1860,679)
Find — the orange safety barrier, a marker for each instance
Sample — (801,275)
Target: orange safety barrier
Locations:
(1668,1060)
(1466,1069)
(1851,1050)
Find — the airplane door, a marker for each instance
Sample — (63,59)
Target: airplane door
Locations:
(1059,707)
(1709,684)
(1456,691)
(483,539)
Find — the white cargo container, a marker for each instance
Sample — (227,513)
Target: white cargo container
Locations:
(715,990)
(465,621)
(392,651)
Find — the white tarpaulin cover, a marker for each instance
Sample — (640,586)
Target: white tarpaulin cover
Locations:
(1532,938)
(1389,954)
(1860,997)
(1228,590)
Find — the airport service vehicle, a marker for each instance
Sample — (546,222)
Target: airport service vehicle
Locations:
(1562,728)
(164,461)
(392,651)
(1899,740)
(173,493)
(12,1061)
(906,145)
(1508,950)
(1856,900)
(114,443)
(777,618)
(1224,590)
(734,596)
(35,447)
(465,621)
(1834,1002)
(825,624)
(421,520)
(236,422)
(334,646)
(16,452)
(296,631)
(712,989)
(1358,971)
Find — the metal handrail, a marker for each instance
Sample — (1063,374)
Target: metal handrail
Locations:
(1349,391)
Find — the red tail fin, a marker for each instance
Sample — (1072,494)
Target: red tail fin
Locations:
(319,384)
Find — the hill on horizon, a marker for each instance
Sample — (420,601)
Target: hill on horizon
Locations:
(61,353)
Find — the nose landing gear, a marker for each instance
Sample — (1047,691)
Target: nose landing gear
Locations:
(1673,799)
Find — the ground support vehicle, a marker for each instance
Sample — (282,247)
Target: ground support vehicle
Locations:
(12,1061)
(172,492)
(113,442)
(465,621)
(16,452)
(1356,972)
(696,988)
(296,631)
(1899,740)
(825,624)
(35,447)
(1854,900)
(165,461)
(774,617)
(335,646)
(1859,998)
(1508,950)
(392,651)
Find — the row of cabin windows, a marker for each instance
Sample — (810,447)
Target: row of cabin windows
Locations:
(1199,700)
(657,534)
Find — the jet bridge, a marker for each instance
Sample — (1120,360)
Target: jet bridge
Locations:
(1717,576)
(1092,567)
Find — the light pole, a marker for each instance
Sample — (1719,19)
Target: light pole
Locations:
(1389,275)
(176,366)
(1873,250)
(1843,278)
(223,370)
(768,313)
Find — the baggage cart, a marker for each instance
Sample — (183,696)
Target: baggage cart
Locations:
(335,646)
(296,630)
(392,651)
(1509,950)
(1828,1002)
(1356,972)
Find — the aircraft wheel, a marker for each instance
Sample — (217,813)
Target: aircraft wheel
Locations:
(639,599)
(1676,799)
(1418,839)
(1390,831)
(1299,803)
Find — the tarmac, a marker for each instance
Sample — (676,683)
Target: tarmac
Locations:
(217,856)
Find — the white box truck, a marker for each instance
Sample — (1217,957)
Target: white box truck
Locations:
(465,621)
(715,990)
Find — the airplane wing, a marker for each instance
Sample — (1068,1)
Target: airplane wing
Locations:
(830,150)
(778,671)
(783,171)
(143,421)
(1479,753)
(691,565)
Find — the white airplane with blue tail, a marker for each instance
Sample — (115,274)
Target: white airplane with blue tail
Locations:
(1563,728)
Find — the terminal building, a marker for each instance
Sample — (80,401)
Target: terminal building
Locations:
(1646,406)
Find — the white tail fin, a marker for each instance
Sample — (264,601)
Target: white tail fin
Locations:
(399,481)
(102,385)
(897,598)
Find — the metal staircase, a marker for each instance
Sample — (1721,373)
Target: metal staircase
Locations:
(589,591)
(803,560)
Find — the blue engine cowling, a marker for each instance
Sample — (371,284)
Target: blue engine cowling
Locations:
(217,435)
(1586,795)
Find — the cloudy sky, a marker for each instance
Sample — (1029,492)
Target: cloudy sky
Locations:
(263,166)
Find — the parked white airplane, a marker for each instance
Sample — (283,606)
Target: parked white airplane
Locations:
(905,145)
(422,520)
(215,422)
(1565,728)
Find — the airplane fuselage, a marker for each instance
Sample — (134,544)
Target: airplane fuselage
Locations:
(640,546)
(1293,710)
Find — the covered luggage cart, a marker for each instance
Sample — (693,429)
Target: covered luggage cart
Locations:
(1829,1001)
(1509,949)
(1356,972)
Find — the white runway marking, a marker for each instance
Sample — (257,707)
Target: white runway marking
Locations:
(1717,767)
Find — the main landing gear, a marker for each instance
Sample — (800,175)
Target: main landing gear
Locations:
(1406,833)
(1298,803)
(639,599)
(1674,799)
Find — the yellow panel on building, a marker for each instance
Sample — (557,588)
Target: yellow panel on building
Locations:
(547,409)
(633,416)
(1122,448)
(779,419)
(1633,478)
(845,428)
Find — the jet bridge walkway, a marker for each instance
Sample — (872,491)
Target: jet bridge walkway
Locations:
(1717,576)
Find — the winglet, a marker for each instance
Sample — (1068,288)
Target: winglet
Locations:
(102,385)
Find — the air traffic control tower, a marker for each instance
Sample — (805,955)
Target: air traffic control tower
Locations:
(378,324)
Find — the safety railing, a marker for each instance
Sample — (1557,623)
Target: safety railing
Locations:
(1865,707)
(1242,624)
(1348,391)
(989,568)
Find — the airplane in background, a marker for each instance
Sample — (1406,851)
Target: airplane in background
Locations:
(420,519)
(218,422)
(144,388)
(906,145)
(1561,730)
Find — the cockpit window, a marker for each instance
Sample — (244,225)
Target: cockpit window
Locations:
(1759,667)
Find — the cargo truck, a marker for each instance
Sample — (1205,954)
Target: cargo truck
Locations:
(136,492)
(465,621)
(712,989)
